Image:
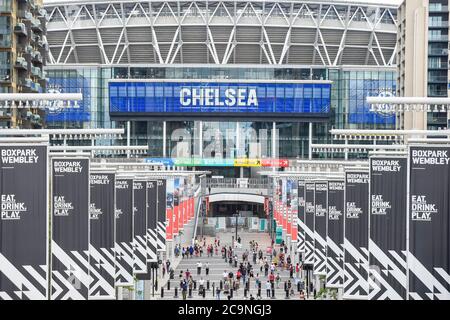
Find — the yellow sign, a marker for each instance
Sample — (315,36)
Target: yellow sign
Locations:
(247,163)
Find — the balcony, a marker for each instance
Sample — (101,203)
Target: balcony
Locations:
(37,72)
(25,15)
(37,57)
(21,63)
(438,38)
(438,52)
(25,82)
(36,25)
(20,29)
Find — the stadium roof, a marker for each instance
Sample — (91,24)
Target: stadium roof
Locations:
(384,3)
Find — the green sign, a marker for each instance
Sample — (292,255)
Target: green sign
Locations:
(279,235)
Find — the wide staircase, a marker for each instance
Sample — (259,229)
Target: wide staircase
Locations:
(217,266)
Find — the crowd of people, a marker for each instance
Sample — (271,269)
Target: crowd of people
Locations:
(253,269)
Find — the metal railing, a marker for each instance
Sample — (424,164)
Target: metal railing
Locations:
(233,183)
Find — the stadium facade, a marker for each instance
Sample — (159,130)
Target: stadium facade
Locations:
(181,74)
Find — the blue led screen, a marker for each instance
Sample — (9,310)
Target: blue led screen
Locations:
(70,85)
(359,109)
(218,97)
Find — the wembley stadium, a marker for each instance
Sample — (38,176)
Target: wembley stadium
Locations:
(311,64)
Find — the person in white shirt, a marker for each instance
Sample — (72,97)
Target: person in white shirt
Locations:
(201,286)
(268,289)
(199,268)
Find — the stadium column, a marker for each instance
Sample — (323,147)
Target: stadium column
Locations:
(164,139)
(310,140)
(128,138)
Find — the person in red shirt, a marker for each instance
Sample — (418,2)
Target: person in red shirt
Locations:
(271,277)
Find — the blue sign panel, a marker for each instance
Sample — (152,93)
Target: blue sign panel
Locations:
(72,84)
(193,98)
(359,109)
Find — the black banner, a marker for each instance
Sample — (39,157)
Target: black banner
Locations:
(152,216)
(429,223)
(70,232)
(320,228)
(309,223)
(356,237)
(161,214)
(301,217)
(387,242)
(140,226)
(124,232)
(23,223)
(102,236)
(335,234)
(151,254)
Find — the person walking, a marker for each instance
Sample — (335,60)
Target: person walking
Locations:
(278,280)
(218,293)
(207,268)
(268,289)
(199,268)
(184,289)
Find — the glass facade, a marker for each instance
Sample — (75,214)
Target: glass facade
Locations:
(229,139)
(438,15)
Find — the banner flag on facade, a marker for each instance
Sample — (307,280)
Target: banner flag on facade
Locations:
(140,226)
(429,223)
(284,204)
(356,235)
(335,234)
(124,232)
(289,186)
(387,242)
(161,213)
(152,221)
(70,229)
(294,211)
(102,266)
(308,226)
(301,217)
(176,206)
(24,222)
(320,228)
(170,209)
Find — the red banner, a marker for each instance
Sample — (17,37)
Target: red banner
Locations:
(289,221)
(169,229)
(176,217)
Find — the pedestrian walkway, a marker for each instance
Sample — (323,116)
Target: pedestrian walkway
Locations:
(218,266)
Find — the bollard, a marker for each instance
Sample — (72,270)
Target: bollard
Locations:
(231,293)
(195,285)
(176,293)
(259,292)
(245,293)
(168,285)
(190,292)
(221,285)
(213,289)
(207,285)
(273,293)
(287,294)
(162,292)
(204,293)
